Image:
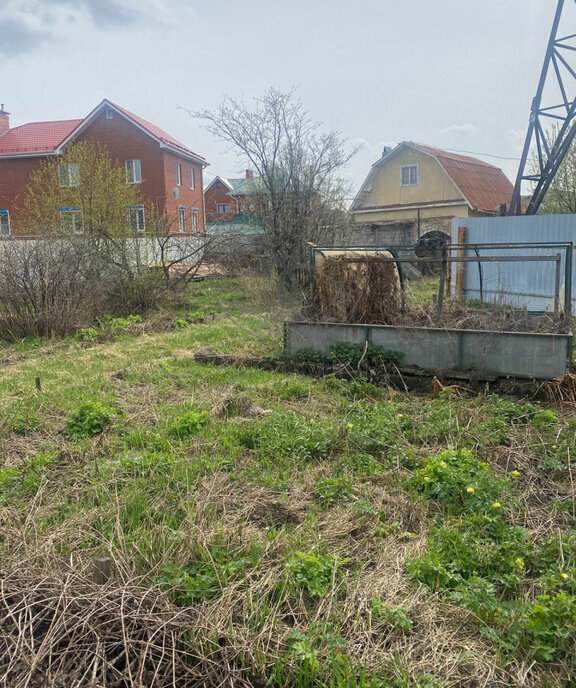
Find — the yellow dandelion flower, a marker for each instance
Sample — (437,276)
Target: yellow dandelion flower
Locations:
(564,576)
(350,426)
(399,415)
(426,479)
(470,490)
(553,447)
(516,474)
(496,505)
(442,464)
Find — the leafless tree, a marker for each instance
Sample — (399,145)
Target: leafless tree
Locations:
(296,194)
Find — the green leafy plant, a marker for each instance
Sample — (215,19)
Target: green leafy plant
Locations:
(312,572)
(330,490)
(187,425)
(90,419)
(366,354)
(459,480)
(396,617)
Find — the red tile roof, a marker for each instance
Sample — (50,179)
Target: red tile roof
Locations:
(36,137)
(484,186)
(46,137)
(155,131)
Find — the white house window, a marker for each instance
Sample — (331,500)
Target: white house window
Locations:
(178,174)
(191,177)
(71,220)
(68,174)
(223,208)
(136,217)
(182,218)
(408,175)
(109,113)
(133,172)
(194,218)
(4,223)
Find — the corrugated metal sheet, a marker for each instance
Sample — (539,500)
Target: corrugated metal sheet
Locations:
(524,285)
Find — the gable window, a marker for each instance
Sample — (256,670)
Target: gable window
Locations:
(71,220)
(182,218)
(178,174)
(191,177)
(133,172)
(136,217)
(109,113)
(194,218)
(68,174)
(408,175)
(223,208)
(4,223)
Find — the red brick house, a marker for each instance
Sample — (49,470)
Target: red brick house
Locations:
(225,198)
(169,173)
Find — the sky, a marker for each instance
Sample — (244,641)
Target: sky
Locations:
(456,74)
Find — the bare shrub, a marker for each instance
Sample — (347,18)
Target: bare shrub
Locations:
(46,287)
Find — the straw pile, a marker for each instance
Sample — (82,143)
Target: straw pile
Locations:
(65,631)
(359,288)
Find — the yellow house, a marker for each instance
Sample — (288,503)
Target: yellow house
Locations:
(415,190)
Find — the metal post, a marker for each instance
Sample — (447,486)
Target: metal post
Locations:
(557,288)
(568,281)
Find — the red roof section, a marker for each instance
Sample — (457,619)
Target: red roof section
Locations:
(484,186)
(46,137)
(36,137)
(155,131)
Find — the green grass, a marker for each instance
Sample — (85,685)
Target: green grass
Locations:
(337,534)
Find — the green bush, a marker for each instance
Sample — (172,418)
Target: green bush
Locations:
(288,436)
(311,572)
(459,480)
(187,425)
(91,419)
(551,626)
(206,574)
(368,355)
(396,617)
(330,490)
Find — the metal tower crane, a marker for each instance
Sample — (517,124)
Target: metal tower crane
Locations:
(558,75)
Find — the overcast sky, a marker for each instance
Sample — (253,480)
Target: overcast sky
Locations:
(456,74)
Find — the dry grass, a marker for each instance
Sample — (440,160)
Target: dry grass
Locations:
(367,291)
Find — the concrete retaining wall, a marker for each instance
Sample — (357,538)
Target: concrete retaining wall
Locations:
(516,354)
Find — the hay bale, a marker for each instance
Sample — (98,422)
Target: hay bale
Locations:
(357,288)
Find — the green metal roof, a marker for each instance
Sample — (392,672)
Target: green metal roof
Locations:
(241,224)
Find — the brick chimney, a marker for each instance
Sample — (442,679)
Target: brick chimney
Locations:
(249,174)
(4,120)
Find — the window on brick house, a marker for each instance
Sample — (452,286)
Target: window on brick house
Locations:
(136,217)
(182,218)
(223,208)
(71,220)
(194,218)
(4,223)
(68,174)
(133,172)
(178,174)
(408,175)
(191,177)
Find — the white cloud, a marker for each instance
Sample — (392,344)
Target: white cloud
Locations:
(516,137)
(30,24)
(459,130)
